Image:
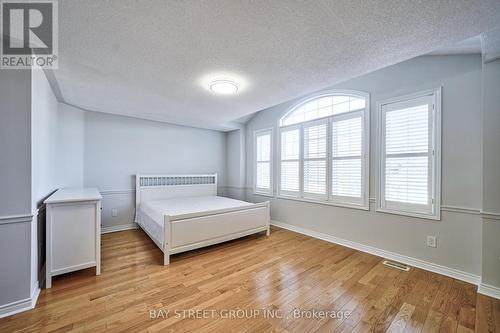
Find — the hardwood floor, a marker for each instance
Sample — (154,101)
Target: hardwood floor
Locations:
(287,274)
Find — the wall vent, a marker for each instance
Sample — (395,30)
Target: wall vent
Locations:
(398,265)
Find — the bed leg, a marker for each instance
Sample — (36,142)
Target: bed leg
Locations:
(166,240)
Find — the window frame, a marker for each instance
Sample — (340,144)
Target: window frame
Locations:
(434,153)
(261,132)
(365,182)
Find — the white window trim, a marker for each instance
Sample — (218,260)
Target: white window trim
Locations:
(257,191)
(436,157)
(366,149)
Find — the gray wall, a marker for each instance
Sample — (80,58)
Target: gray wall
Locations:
(57,141)
(117,148)
(15,136)
(459,232)
(70,146)
(235,164)
(491,172)
(15,185)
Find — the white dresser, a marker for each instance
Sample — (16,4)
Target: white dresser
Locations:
(73,231)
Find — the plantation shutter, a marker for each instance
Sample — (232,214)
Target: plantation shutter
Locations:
(347,159)
(263,162)
(408,155)
(290,162)
(314,168)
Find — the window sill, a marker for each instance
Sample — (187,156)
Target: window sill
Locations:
(323,202)
(410,214)
(269,195)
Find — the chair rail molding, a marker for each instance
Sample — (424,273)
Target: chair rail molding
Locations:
(461,209)
(17,218)
(113,192)
(490,215)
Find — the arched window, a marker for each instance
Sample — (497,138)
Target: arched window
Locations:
(323,106)
(324,149)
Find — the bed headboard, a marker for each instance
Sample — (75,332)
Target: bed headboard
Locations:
(156,187)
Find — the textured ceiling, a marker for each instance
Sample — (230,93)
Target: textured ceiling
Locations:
(491,42)
(146,58)
(468,46)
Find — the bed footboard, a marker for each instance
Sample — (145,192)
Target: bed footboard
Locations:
(185,234)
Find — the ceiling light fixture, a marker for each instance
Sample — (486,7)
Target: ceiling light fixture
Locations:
(223,87)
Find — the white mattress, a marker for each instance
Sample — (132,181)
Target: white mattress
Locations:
(151,214)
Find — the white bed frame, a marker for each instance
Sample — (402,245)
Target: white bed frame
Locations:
(191,231)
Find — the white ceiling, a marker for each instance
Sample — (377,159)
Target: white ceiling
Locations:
(146,58)
(491,43)
(468,46)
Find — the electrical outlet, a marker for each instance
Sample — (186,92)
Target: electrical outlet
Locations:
(431,241)
(114,212)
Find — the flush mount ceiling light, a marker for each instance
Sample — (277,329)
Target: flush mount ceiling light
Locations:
(224,83)
(223,87)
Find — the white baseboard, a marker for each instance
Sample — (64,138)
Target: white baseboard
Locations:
(489,290)
(443,270)
(19,306)
(116,228)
